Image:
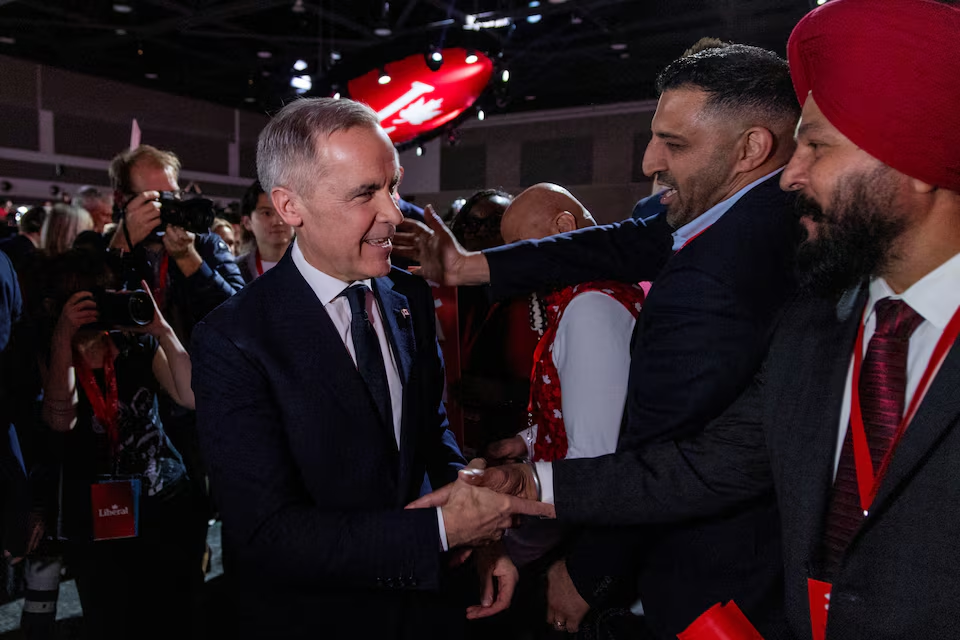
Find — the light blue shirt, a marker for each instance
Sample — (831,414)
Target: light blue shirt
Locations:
(711,215)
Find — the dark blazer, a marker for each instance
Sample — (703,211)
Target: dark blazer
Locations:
(898,578)
(308,480)
(14,497)
(701,336)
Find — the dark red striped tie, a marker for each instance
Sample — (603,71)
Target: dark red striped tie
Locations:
(883,384)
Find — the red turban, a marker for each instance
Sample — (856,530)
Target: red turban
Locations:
(886,74)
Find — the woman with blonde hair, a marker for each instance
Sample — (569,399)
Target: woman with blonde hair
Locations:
(61,227)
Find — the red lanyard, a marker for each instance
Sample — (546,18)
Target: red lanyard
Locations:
(160,290)
(106,406)
(259,264)
(867,483)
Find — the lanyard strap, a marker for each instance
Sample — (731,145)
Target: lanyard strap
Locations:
(691,239)
(867,483)
(105,405)
(159,291)
(259,264)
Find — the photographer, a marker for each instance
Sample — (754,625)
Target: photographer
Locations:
(101,388)
(189,273)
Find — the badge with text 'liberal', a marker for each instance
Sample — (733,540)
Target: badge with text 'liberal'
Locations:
(116,508)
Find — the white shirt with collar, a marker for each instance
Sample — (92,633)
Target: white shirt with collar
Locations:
(328,290)
(936,297)
(680,237)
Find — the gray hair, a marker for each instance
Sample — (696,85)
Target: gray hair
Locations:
(287,150)
(88,195)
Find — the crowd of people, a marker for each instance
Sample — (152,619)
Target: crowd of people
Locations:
(742,395)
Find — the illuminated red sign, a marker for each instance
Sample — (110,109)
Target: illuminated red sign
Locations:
(417,99)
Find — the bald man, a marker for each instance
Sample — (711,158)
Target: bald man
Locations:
(578,384)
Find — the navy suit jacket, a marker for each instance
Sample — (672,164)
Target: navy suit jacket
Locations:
(309,482)
(702,334)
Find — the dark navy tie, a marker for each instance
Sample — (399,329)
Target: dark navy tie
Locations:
(366,345)
(883,384)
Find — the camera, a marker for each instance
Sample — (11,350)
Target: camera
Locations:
(195,215)
(124,308)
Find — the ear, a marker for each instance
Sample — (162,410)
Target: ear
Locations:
(245,221)
(288,206)
(565,222)
(756,146)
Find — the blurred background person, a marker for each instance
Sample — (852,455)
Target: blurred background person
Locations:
(98,204)
(270,234)
(224,229)
(61,227)
(23,247)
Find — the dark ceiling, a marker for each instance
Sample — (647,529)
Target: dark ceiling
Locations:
(579,52)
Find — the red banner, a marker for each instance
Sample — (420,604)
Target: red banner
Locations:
(417,99)
(116,508)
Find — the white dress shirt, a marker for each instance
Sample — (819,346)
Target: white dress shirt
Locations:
(591,351)
(936,297)
(328,290)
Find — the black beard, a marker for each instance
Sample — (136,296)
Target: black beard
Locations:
(856,240)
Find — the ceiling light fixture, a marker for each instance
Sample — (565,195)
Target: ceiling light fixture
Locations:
(472,57)
(480,115)
(505,76)
(298,7)
(249,99)
(121,32)
(265,55)
(301,83)
(535,18)
(419,151)
(619,46)
(384,77)
(336,96)
(7,40)
(300,65)
(150,76)
(433,59)
(122,8)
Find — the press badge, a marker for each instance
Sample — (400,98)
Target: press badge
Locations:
(116,507)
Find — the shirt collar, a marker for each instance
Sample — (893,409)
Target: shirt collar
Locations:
(935,296)
(325,286)
(714,213)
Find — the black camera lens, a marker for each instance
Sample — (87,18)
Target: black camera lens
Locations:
(140,308)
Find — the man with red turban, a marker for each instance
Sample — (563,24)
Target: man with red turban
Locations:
(855,415)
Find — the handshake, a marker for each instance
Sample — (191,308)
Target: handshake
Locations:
(483,502)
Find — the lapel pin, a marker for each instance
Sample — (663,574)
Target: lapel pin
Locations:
(405,315)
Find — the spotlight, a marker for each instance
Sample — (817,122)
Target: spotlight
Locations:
(533,4)
(335,56)
(150,76)
(419,151)
(299,65)
(505,76)
(619,46)
(434,59)
(122,8)
(22,210)
(821,2)
(264,55)
(384,77)
(383,31)
(298,7)
(336,96)
(480,115)
(472,57)
(535,18)
(301,83)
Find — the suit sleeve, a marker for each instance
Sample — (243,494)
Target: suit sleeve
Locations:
(217,279)
(253,473)
(629,251)
(721,467)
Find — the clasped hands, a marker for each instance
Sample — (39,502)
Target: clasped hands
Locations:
(477,508)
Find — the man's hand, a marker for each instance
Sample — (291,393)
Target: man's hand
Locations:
(442,259)
(510,479)
(141,218)
(508,449)
(79,310)
(565,607)
(495,568)
(179,244)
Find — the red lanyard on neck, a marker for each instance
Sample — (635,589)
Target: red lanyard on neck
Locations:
(106,405)
(259,264)
(160,290)
(867,483)
(691,239)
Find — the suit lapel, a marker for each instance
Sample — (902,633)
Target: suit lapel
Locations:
(398,322)
(822,402)
(937,414)
(319,349)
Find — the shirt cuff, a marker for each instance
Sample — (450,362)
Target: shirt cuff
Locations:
(443,530)
(545,472)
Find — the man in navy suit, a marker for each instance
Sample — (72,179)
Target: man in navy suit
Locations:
(319,405)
